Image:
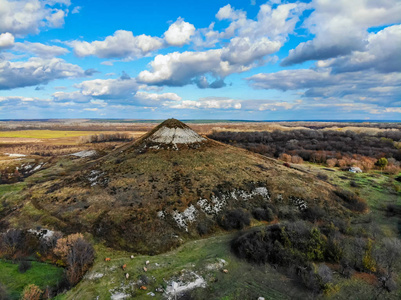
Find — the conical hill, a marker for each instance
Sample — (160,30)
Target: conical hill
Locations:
(147,196)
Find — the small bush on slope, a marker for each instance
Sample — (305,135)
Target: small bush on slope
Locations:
(234,219)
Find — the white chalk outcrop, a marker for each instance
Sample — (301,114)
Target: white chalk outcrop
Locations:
(167,135)
(172,134)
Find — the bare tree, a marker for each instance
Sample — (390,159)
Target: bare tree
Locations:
(389,257)
(79,259)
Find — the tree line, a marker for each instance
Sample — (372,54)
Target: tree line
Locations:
(319,146)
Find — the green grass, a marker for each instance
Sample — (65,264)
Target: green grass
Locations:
(243,280)
(41,274)
(10,195)
(377,188)
(11,188)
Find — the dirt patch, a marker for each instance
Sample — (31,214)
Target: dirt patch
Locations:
(369,278)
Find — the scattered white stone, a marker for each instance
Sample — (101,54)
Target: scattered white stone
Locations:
(84,153)
(42,233)
(214,207)
(302,205)
(26,167)
(94,276)
(119,296)
(216,204)
(217,265)
(93,176)
(38,167)
(186,217)
(261,191)
(161,214)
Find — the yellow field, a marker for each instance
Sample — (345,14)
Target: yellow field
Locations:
(44,134)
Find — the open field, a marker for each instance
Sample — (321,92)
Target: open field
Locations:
(43,134)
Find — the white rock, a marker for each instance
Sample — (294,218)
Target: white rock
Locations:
(15,155)
(179,287)
(84,153)
(186,217)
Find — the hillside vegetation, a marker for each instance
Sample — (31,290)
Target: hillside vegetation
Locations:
(130,218)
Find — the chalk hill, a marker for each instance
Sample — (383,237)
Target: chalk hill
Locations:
(168,186)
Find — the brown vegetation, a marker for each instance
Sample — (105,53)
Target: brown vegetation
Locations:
(333,148)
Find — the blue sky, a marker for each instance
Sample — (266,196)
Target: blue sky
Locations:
(254,60)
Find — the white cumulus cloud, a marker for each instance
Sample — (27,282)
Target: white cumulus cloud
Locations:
(6,40)
(39,49)
(35,71)
(122,44)
(340,27)
(29,16)
(179,33)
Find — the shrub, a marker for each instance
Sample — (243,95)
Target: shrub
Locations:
(258,246)
(322,176)
(285,157)
(316,245)
(369,263)
(352,201)
(331,162)
(353,183)
(265,214)
(76,254)
(63,245)
(234,219)
(12,241)
(204,226)
(288,212)
(393,209)
(24,265)
(296,159)
(382,162)
(3,293)
(334,250)
(313,213)
(31,292)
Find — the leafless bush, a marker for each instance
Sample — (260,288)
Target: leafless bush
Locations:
(105,137)
(12,241)
(31,292)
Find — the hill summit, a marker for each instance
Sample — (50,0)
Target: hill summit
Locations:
(171,134)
